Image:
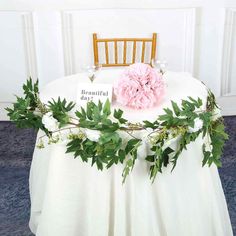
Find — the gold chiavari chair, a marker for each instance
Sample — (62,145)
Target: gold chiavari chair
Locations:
(97,41)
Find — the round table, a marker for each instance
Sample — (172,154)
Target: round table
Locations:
(71,198)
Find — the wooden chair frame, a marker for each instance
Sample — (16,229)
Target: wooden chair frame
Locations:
(96,41)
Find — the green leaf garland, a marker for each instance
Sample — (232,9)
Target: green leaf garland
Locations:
(181,124)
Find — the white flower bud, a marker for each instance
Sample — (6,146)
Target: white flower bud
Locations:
(198,123)
(37,112)
(40,144)
(92,135)
(216,114)
(208,147)
(49,122)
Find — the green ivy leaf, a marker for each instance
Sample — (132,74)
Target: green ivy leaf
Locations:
(175,108)
(118,114)
(107,108)
(131,144)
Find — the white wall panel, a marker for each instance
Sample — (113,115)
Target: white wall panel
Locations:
(17,54)
(49,47)
(68,43)
(228,71)
(175,28)
(229,54)
(14,55)
(209,40)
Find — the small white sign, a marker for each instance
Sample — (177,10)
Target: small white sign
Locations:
(87,92)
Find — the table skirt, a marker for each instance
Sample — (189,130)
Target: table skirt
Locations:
(71,198)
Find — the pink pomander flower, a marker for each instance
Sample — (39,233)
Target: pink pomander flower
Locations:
(140,86)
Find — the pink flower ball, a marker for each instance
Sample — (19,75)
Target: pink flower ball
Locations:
(140,86)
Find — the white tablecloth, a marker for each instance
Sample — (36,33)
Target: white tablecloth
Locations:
(70,198)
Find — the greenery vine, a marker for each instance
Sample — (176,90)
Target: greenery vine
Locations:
(181,124)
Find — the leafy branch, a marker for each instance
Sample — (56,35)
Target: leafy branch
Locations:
(180,125)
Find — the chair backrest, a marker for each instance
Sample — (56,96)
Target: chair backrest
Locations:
(124,42)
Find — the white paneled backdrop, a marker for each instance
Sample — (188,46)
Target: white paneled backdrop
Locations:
(175,28)
(199,38)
